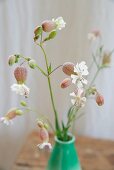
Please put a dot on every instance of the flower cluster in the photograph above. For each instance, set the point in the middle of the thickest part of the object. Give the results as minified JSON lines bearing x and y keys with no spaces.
{"x":44,"y":136}
{"x":78,"y":75}
{"x":12,"y":113}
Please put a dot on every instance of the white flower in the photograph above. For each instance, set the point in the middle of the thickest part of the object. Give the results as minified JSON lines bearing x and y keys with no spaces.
{"x":92,"y":36}
{"x":78,"y":98}
{"x":6,"y":121}
{"x":59,"y":23}
{"x":45,"y":145}
{"x":20,"y":89}
{"x":81,"y":70}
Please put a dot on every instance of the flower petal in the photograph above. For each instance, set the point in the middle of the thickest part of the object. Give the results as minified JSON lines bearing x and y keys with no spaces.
{"x":79,"y":84}
{"x":73,"y":101}
{"x":74,"y":78}
{"x":20,"y":89}
{"x":45,"y":145}
{"x":73,"y":94}
{"x":84,"y":81}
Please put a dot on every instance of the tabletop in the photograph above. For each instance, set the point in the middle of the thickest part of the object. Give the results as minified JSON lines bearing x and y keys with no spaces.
{"x":94,"y":154}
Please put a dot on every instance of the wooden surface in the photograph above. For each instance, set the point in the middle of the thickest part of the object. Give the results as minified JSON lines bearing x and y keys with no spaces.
{"x":93,"y":154}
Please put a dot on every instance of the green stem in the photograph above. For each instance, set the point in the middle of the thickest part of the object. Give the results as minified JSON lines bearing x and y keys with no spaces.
{"x":44,"y":117}
{"x":50,"y":89}
{"x":94,"y":78}
{"x":40,"y":69}
{"x":55,"y":69}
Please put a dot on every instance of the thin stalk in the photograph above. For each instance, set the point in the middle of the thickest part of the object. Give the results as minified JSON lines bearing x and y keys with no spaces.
{"x":40,"y":69}
{"x":50,"y":90}
{"x":55,"y":69}
{"x":22,"y":63}
{"x":94,"y":78}
{"x":31,"y":110}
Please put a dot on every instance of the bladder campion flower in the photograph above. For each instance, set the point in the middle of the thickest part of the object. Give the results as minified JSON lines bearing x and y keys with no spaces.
{"x":99,"y":99}
{"x":21,"y":89}
{"x":44,"y":136}
{"x":44,"y":33}
{"x":65,"y":83}
{"x":68,"y":68}
{"x":80,"y":70}
{"x":20,"y":74}
{"x":78,"y":98}
{"x":8,"y":118}
{"x":93,"y":35}
{"x":48,"y":26}
{"x":60,"y":23}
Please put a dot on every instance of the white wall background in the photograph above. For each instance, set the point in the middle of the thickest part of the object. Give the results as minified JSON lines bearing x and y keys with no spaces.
{"x":18,"y":19}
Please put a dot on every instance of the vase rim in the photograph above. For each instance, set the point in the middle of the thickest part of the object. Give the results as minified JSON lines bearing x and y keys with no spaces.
{"x":66,"y":142}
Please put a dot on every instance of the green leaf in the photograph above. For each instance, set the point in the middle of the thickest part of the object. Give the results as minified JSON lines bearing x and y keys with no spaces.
{"x":49,"y":69}
{"x":38,"y":31}
{"x":51,"y":36}
{"x":63,"y":126}
{"x":101,"y":48}
{"x":70,"y":111}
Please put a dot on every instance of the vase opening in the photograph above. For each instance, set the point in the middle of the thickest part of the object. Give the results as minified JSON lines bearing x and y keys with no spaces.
{"x":71,"y":139}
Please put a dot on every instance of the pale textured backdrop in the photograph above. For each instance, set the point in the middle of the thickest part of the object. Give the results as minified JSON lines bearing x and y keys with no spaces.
{"x":17,"y":21}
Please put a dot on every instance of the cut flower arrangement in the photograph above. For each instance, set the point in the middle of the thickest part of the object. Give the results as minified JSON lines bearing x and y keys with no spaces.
{"x":77,"y":75}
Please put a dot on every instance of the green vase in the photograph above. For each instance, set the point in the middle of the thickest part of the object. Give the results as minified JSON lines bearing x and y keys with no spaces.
{"x":64,"y":156}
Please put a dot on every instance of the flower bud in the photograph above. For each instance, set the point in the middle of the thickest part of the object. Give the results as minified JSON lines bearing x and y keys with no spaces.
{"x":11,"y":60}
{"x":92,"y":90}
{"x":68,"y":68}
{"x":23,"y":103}
{"x":46,"y":125}
{"x":11,"y":114}
{"x":99,"y":99}
{"x":44,"y":135}
{"x":93,"y":35}
{"x":65,"y":83}
{"x":48,"y":26}
{"x":19,"y":112}
{"x":97,"y":33}
{"x":106,"y":58}
{"x":40,"y":124}
{"x":32,"y":64}
{"x":20,"y":74}
{"x":38,"y":31}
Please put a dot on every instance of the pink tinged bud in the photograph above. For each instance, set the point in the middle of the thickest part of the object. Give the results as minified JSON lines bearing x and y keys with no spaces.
{"x":68,"y":68}
{"x":44,"y":135}
{"x":20,"y":74}
{"x":99,"y":99}
{"x":11,"y":114}
{"x":37,"y":29}
{"x":97,"y":33}
{"x":65,"y":83}
{"x":48,"y":26}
